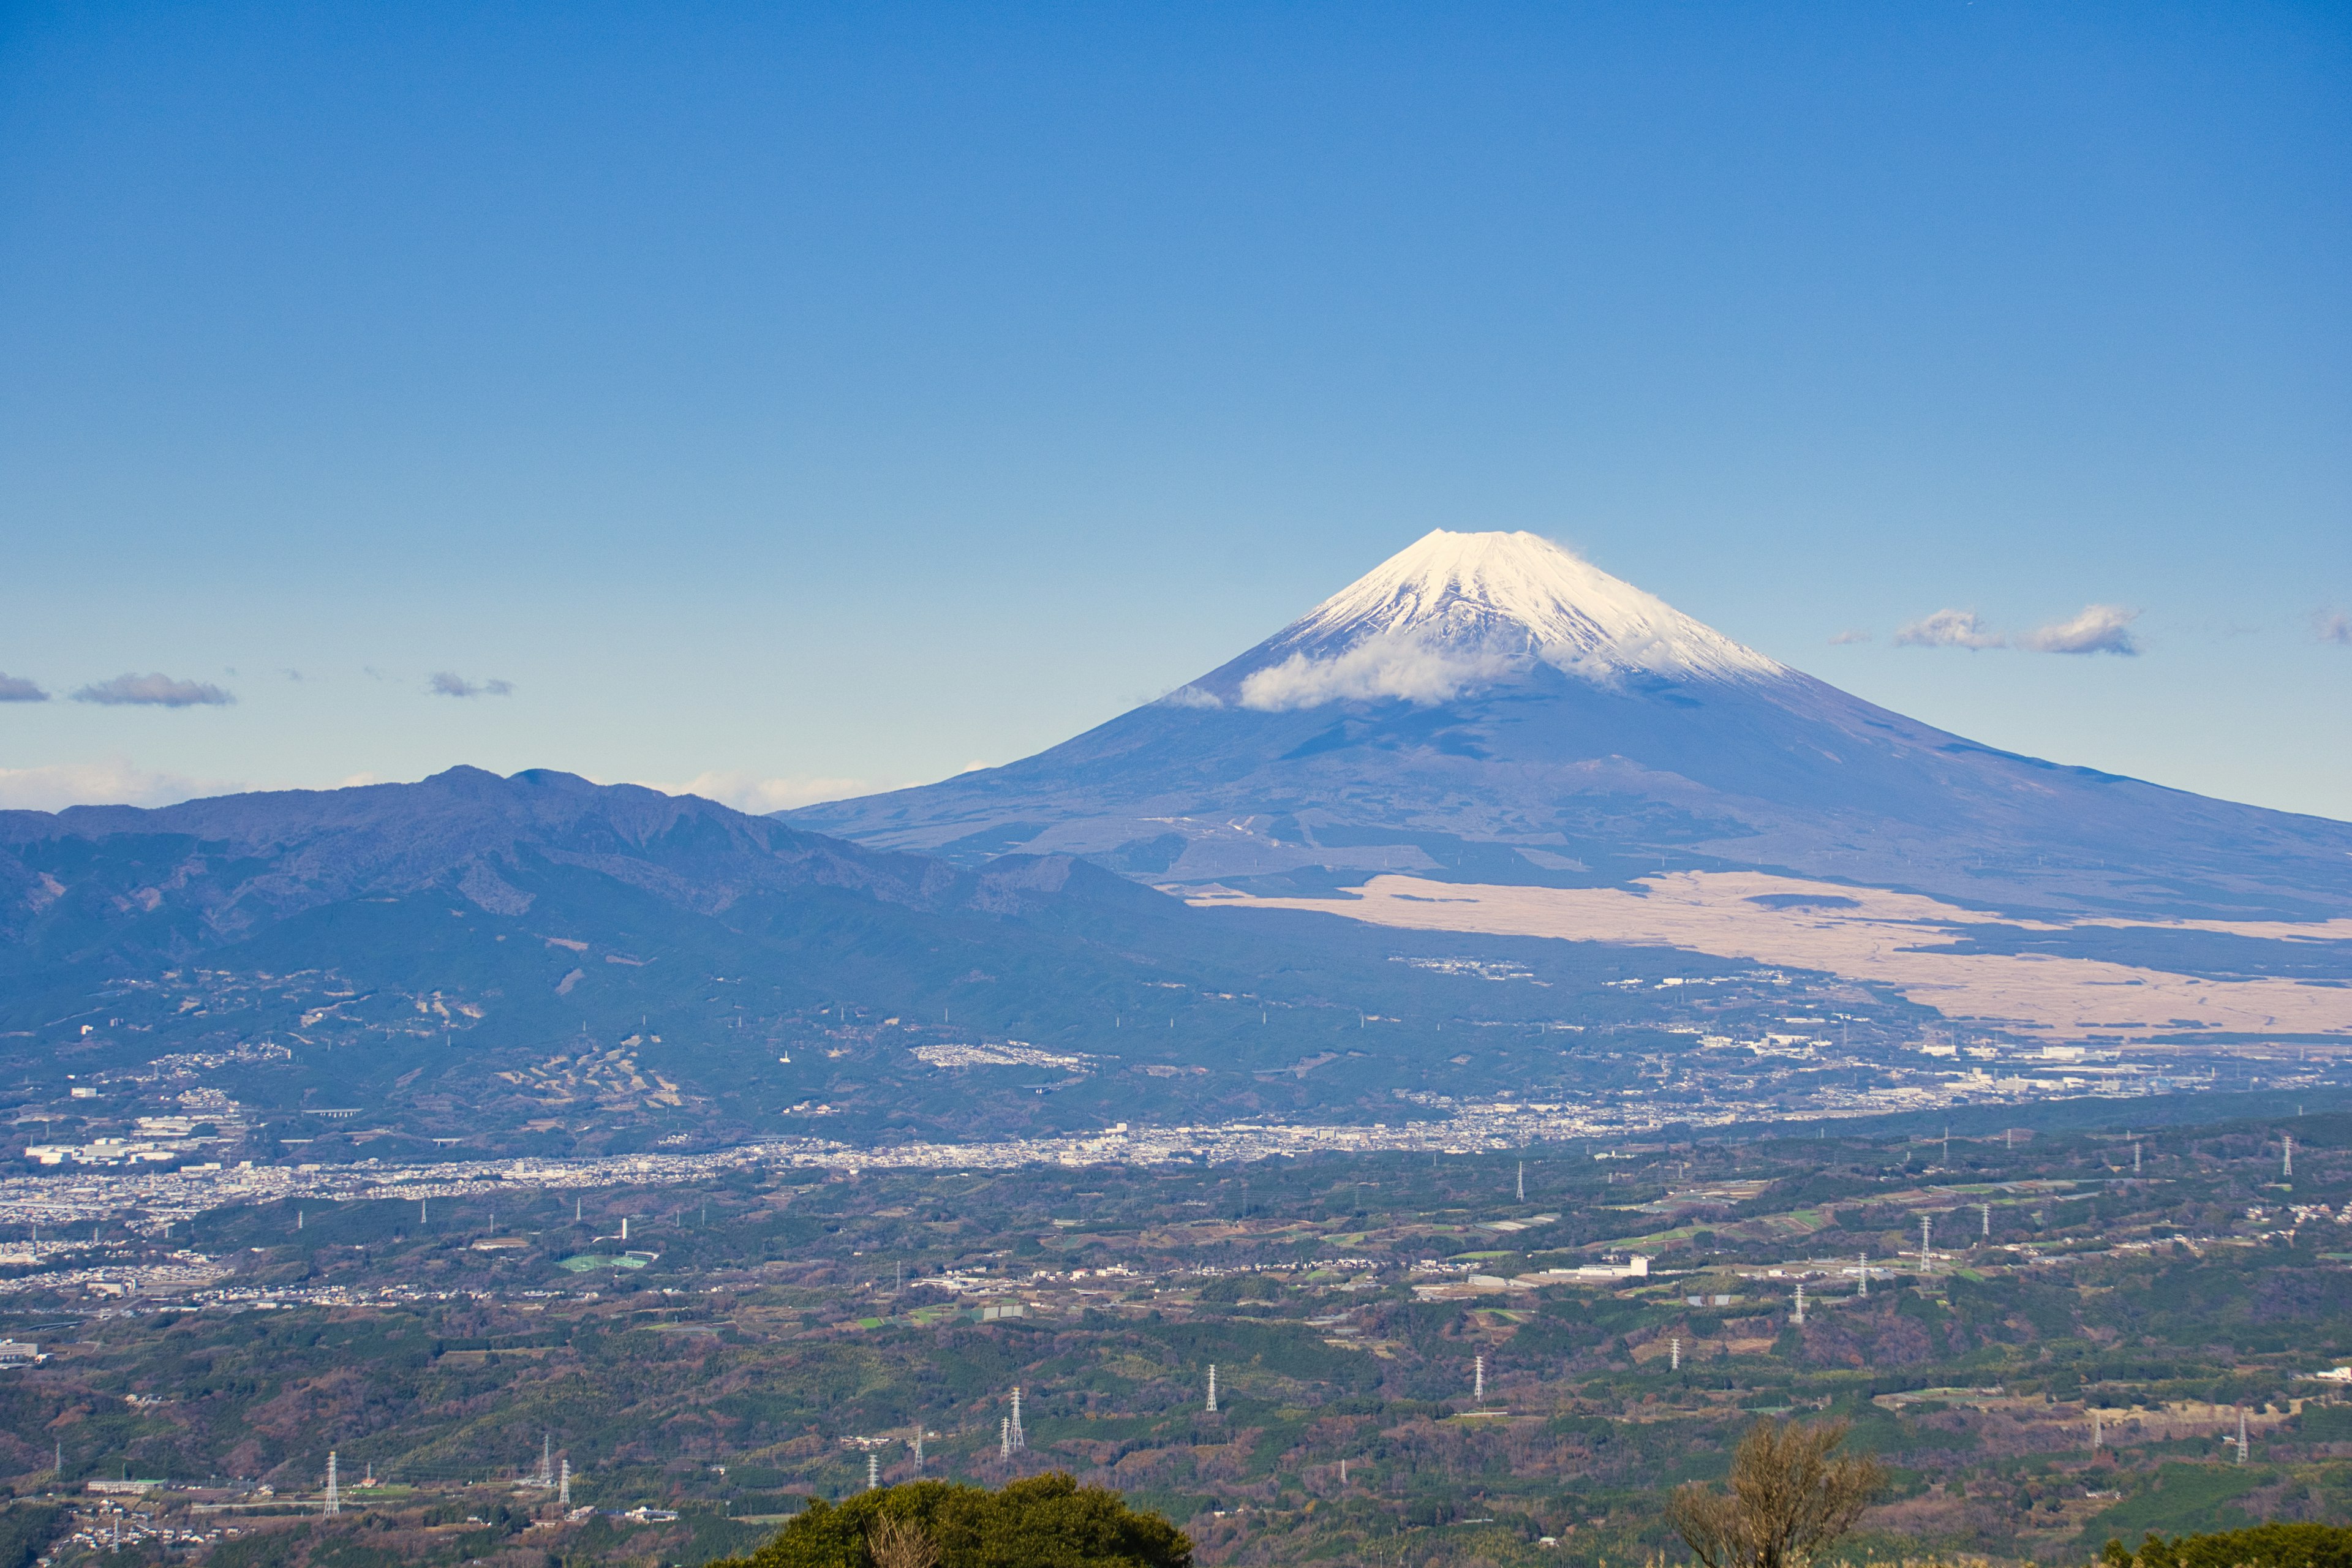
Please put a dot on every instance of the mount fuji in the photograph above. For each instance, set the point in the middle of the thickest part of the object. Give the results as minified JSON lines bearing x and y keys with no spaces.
{"x":1489,"y":707}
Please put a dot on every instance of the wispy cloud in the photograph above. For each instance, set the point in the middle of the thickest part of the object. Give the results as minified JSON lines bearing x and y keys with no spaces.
{"x":1843,"y":638}
{"x":2099,"y":629}
{"x":747,"y":791}
{"x":113,"y":783}
{"x":17,"y":689}
{"x":448,"y":683}
{"x":1949,"y":628}
{"x":2332,"y":625}
{"x":1191,"y":697}
{"x":154,"y":691}
{"x":1377,"y":666}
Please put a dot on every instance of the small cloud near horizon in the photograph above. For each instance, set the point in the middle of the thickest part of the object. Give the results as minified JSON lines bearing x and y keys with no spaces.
{"x":748,"y":792}
{"x":1843,"y":638}
{"x":2333,"y":626}
{"x":1949,"y":628}
{"x":112,"y":782}
{"x":17,"y":689}
{"x":448,"y":683}
{"x":2099,"y":629}
{"x":154,"y":691}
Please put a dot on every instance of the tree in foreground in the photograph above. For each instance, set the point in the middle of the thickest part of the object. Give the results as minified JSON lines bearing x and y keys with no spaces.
{"x":1044,"y":1522}
{"x":1789,"y":1498}
{"x":2272,"y":1545}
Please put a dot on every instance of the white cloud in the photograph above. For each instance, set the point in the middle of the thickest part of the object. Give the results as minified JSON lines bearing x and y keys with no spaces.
{"x":17,"y":689}
{"x":448,"y":683}
{"x":154,"y":691}
{"x":112,"y":782}
{"x":1949,"y":628}
{"x":1191,"y":697}
{"x":2332,"y":625}
{"x":748,"y":792}
{"x":1377,"y":666}
{"x":2099,"y":629}
{"x":1843,"y":638}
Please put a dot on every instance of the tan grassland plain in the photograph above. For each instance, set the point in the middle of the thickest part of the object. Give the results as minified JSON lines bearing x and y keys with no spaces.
{"x":1869,"y":934}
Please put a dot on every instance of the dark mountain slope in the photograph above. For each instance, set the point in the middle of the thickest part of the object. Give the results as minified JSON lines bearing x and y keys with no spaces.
{"x":221,"y":868}
{"x":549,"y":854}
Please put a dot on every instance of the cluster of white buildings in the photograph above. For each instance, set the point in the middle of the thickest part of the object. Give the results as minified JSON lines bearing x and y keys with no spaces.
{"x":1011,"y":1054}
{"x":112,"y":1179}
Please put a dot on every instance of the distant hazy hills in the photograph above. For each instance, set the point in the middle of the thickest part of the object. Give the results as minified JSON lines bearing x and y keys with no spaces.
{"x":549,"y":963}
{"x":182,"y":878}
{"x":550,"y":856}
{"x":1488,"y":708}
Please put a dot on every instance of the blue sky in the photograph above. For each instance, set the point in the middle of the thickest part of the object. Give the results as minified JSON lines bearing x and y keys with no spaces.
{"x":801,"y":399}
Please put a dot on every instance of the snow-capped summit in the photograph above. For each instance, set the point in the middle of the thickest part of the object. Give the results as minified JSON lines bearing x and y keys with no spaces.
{"x":1488,"y":706}
{"x":1454,"y":611}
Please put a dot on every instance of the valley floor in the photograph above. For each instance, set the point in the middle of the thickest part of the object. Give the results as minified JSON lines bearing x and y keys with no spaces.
{"x":1418,"y":1357}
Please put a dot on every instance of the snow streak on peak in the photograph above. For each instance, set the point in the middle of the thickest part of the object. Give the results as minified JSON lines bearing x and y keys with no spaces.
{"x":1490,"y":588}
{"x":1456,"y":610}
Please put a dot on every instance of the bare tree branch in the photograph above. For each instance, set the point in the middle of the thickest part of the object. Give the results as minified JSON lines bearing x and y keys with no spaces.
{"x":900,"y":1544}
{"x":1789,"y":1498}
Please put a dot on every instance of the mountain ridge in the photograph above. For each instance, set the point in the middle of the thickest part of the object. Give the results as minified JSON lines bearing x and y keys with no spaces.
{"x":321,"y":846}
{"x":172,"y":882}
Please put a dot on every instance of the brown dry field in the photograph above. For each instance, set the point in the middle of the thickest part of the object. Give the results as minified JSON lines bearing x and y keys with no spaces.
{"x":1887,"y":938}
